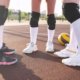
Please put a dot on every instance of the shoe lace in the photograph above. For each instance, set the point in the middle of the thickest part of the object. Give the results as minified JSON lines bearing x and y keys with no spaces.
{"x":50,"y":44}
{"x":30,"y":44}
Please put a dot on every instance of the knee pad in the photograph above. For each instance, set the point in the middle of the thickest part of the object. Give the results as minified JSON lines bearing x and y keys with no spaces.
{"x":71,"y":11}
{"x":51,"y":21}
{"x":3,"y":14}
{"x":34,"y":19}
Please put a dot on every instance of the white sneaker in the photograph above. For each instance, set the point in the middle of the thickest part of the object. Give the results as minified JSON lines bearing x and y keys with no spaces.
{"x":64,"y":53}
{"x":49,"y":47}
{"x":72,"y":61}
{"x":31,"y":47}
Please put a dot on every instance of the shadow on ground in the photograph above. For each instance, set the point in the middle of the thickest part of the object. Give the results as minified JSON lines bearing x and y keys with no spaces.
{"x":17,"y":72}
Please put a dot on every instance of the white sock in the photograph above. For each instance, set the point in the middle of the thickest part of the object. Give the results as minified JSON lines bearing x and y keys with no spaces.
{"x":73,"y":42}
{"x":50,"y":35}
{"x":76,"y":27}
{"x":33,"y":34}
{"x":1,"y":36}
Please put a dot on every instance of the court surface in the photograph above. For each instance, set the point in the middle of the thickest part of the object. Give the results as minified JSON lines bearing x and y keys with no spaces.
{"x":39,"y":65}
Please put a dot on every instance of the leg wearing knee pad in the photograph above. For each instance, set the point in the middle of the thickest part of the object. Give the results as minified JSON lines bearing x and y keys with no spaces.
{"x":3,"y":14}
{"x":71,"y":11}
{"x":34,"y":19}
{"x":2,"y":11}
{"x":51,"y":21}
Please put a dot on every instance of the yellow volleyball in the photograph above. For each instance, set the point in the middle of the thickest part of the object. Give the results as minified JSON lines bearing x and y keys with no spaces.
{"x":63,"y":38}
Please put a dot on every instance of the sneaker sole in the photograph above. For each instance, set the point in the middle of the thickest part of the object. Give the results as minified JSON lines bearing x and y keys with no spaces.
{"x":9,"y":53}
{"x":30,"y":52}
{"x":8,"y":63}
{"x":74,"y":65}
{"x":56,"y":54}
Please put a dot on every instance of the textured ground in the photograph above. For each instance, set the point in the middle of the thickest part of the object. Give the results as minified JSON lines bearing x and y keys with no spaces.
{"x":39,"y":65}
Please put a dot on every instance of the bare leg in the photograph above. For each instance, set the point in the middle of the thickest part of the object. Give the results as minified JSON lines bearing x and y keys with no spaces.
{"x":51,"y":24}
{"x":4,"y":3}
{"x":50,"y":6}
{"x":33,"y":27}
{"x":36,"y":5}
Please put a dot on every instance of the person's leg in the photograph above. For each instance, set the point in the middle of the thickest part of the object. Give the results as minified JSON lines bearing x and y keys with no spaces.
{"x":5,"y":3}
{"x":4,"y":59}
{"x":71,"y":12}
{"x":72,"y":44}
{"x":2,"y":10}
{"x":33,"y":27}
{"x":71,"y":48}
{"x":51,"y":24}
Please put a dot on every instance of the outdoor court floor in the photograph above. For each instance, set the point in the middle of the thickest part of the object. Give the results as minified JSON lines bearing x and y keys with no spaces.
{"x":39,"y":65}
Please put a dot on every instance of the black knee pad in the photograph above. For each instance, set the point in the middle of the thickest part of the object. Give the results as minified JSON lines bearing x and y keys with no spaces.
{"x":71,"y":11}
{"x":2,"y":11}
{"x":51,"y":21}
{"x":34,"y":19}
{"x":3,"y":14}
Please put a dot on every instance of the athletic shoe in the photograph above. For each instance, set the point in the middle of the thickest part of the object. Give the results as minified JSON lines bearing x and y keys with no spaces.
{"x":65,"y":53}
{"x":49,"y":47}
{"x":72,"y":61}
{"x":7,"y":50}
{"x":6,"y":60}
{"x":31,"y":47}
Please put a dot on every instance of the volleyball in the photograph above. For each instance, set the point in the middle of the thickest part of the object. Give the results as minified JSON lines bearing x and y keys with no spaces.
{"x":63,"y":38}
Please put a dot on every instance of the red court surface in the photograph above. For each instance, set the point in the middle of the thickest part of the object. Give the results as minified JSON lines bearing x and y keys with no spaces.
{"x":39,"y":65}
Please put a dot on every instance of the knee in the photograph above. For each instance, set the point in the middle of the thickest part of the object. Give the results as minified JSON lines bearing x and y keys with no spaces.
{"x":3,"y":14}
{"x":34,"y":19}
{"x":51,"y":21}
{"x":71,"y":11}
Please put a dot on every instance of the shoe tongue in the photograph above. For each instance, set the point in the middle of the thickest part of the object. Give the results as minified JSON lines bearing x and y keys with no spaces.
{"x":3,"y":48}
{"x":49,"y":43}
{"x":32,"y":44}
